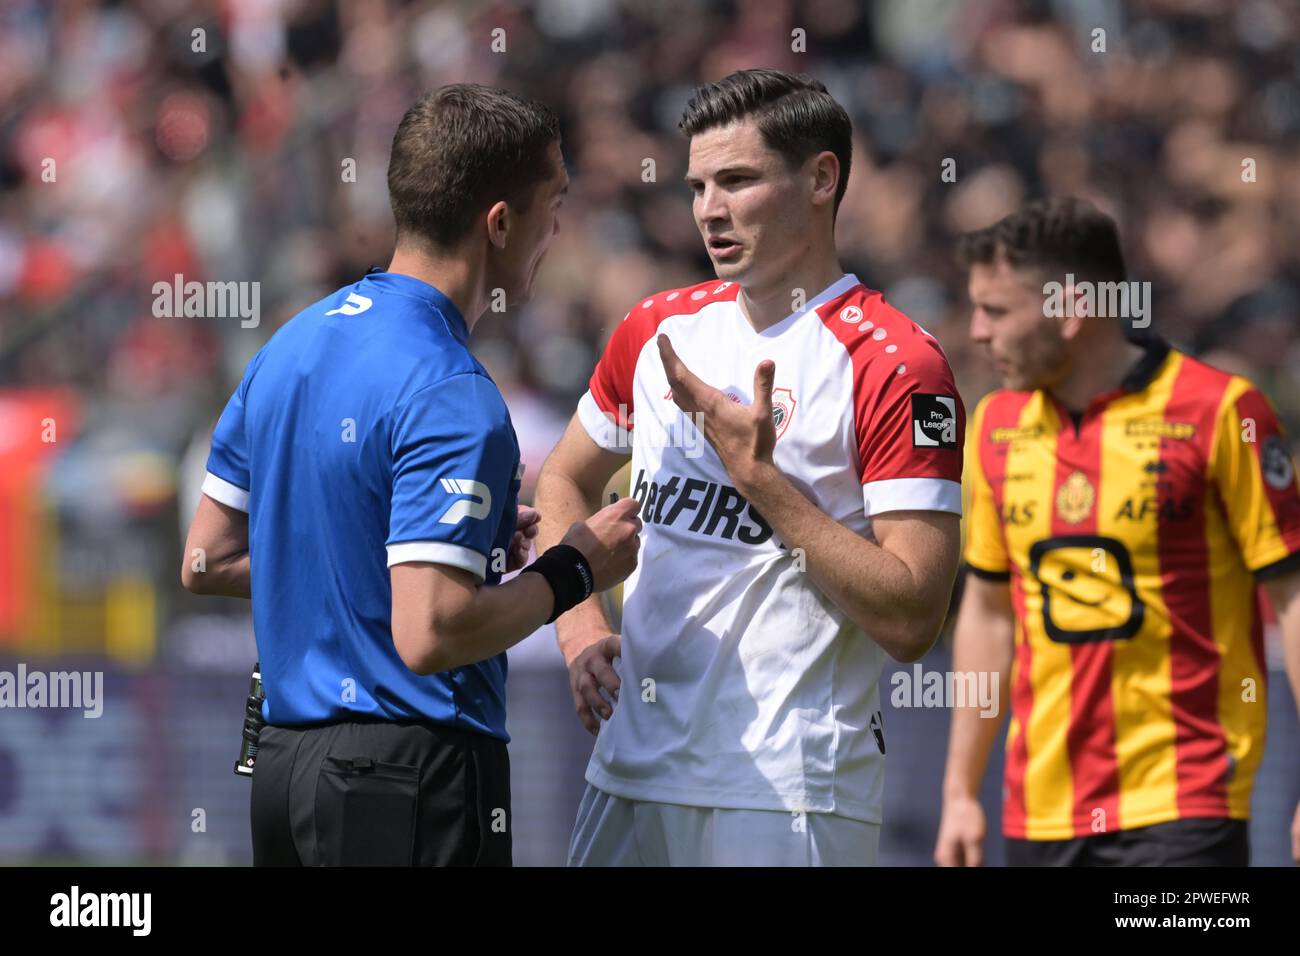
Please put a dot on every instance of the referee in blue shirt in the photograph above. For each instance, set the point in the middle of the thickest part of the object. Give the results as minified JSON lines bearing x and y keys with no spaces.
{"x":362,"y":488}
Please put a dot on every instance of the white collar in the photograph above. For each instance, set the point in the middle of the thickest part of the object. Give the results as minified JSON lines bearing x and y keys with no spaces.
{"x":833,"y":291}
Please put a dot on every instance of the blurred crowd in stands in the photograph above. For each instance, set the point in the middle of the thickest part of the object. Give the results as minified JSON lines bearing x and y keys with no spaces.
{"x":247,"y":141}
{"x":147,"y":138}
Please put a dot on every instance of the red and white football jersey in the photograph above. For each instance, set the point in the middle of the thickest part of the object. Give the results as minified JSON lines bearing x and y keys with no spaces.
{"x":743,"y":685}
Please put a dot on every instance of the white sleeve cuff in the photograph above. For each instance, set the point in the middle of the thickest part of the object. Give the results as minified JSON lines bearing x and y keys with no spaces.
{"x":439,"y":552}
{"x":603,"y":431}
{"x":218,"y":489}
{"x":912,"y":494}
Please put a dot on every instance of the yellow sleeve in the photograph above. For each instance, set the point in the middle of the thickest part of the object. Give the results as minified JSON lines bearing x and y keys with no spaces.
{"x":985,"y":550}
{"x":1256,"y":477}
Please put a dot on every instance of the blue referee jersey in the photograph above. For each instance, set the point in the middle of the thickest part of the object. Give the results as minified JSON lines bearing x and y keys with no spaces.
{"x":364,"y":434}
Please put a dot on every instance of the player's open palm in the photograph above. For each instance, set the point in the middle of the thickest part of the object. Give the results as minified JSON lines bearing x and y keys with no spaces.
{"x":742,"y":435}
{"x":594,"y":682}
{"x":961,"y":833}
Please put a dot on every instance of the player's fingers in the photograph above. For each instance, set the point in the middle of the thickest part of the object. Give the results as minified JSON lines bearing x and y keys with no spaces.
{"x":972,"y":852}
{"x":605,"y":675}
{"x":668,"y":356}
{"x":582,"y":707}
{"x":585,"y":716}
{"x":946,"y":852}
{"x":527,"y":518}
{"x":764,"y":376}
{"x":590,"y":691}
{"x":942,"y":857}
{"x":689,"y":392}
{"x":685,"y":384}
{"x":612,"y":648}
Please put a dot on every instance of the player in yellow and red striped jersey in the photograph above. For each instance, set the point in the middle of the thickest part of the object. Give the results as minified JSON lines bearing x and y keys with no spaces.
{"x":1125,"y":501}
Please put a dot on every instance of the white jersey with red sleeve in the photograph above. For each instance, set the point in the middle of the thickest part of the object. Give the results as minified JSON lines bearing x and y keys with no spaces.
{"x":743,"y":685}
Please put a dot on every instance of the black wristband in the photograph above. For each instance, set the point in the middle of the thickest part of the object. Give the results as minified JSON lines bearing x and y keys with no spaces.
{"x":567,"y":572}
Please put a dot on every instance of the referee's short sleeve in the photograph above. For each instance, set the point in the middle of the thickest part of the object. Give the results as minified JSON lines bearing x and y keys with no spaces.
{"x":455,"y":458}
{"x":227,"y":479}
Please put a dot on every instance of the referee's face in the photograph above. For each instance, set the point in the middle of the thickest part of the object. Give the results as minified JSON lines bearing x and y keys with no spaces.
{"x":1008,"y":319}
{"x":515,"y":266}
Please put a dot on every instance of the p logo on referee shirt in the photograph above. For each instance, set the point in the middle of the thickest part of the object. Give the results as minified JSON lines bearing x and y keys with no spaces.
{"x":355,"y":305}
{"x":476,"y":504}
{"x":934,"y":421}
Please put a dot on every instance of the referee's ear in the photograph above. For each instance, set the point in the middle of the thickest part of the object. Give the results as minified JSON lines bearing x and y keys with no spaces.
{"x":498,"y":224}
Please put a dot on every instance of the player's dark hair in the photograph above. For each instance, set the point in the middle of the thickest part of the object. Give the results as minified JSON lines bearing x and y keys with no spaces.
{"x":1057,"y":236}
{"x":460,"y":149}
{"x":795,"y":115}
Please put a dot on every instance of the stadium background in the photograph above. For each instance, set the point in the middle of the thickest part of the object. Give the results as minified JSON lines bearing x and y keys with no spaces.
{"x":228,"y":164}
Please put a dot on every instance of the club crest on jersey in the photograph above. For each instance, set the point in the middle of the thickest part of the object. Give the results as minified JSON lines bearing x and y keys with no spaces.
{"x":1075,"y":498}
{"x":1275,"y":463}
{"x":783,"y":403}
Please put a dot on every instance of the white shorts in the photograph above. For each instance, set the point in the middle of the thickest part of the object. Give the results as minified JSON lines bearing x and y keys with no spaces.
{"x":613,"y":831}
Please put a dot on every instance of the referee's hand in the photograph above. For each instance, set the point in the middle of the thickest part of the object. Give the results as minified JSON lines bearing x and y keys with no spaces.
{"x":521,"y":545}
{"x":609,"y":540}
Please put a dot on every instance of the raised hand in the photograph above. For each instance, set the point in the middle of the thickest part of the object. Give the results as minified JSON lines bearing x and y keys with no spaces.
{"x":743,"y":436}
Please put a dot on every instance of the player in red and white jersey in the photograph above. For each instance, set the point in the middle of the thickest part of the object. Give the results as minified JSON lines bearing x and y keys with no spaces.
{"x":796,"y":449}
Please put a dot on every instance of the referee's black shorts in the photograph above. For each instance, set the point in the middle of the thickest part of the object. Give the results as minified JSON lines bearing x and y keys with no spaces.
{"x":380,"y":793}
{"x":1191,"y":842}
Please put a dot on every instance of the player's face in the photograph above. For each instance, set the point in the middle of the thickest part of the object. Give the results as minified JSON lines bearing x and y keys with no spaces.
{"x":749,"y":206}
{"x":537,"y":226}
{"x":1026,"y":347}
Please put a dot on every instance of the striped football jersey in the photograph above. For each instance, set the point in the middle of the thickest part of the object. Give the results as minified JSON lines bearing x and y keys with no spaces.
{"x":1132,"y":535}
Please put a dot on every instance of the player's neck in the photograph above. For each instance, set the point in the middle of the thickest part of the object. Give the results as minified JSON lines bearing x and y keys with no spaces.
{"x":1098,"y":366}
{"x":768,"y":304}
{"x":455,"y":277}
